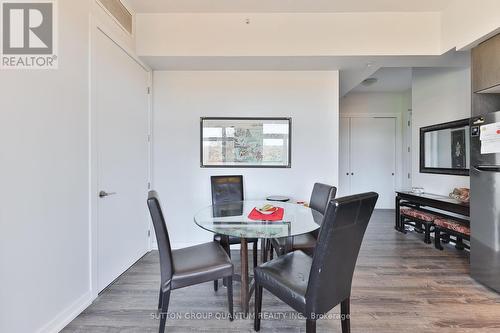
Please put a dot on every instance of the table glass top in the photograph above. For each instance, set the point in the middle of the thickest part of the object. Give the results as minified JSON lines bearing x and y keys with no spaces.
{"x":231,"y":219}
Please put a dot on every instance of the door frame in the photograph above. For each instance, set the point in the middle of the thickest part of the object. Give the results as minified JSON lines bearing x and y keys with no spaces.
{"x":340,"y":190}
{"x":399,"y":167}
{"x":407,"y":149}
{"x":96,"y":27}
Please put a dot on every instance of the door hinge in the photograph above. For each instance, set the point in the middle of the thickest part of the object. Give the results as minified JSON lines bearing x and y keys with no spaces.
{"x":409,"y":123}
{"x":149,"y":233}
{"x":149,"y":137}
{"x":148,"y":90}
{"x":408,"y":149}
{"x":149,"y":185}
{"x":409,"y":175}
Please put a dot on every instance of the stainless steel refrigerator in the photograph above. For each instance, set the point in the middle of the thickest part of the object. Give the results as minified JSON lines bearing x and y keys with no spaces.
{"x":485,"y":199}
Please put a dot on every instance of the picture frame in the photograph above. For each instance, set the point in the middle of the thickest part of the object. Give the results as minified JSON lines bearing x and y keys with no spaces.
{"x":245,"y":142}
{"x":458,"y":154}
{"x":463,"y":170}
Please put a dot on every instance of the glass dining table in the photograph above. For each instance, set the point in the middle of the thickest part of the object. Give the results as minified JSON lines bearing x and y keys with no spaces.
{"x":231,"y":219}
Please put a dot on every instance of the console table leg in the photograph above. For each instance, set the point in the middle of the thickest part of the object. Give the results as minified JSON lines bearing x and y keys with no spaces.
{"x":398,"y":215}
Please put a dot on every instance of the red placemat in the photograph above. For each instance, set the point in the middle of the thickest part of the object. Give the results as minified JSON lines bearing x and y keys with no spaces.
{"x":276,"y":216}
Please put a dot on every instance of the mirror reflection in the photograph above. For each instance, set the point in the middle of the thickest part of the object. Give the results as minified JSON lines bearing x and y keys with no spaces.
{"x":228,"y":209}
{"x":447,"y":148}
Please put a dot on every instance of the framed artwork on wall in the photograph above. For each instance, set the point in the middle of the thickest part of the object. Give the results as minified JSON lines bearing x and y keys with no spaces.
{"x":458,"y":149}
{"x":245,"y":142}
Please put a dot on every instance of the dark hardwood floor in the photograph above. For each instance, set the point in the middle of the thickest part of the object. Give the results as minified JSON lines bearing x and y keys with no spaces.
{"x":400,"y":285}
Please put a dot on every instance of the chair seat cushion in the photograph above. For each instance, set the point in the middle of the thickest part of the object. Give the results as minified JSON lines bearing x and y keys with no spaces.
{"x":300,"y":242}
{"x":286,"y":277}
{"x":199,"y":263}
{"x":452,"y":225}
{"x":424,"y":216}
{"x":233,"y":239}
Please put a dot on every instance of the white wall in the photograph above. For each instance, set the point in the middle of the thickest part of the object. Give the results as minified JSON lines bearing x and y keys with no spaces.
{"x":438,"y":95}
{"x":181,"y":98}
{"x":465,"y":23}
{"x":44,"y":157}
{"x":376,"y":102}
{"x":102,"y":17}
{"x":44,"y":237}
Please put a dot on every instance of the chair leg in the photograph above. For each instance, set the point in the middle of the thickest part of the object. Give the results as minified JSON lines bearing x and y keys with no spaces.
{"x":437,"y":239}
{"x":164,"y":310}
{"x":160,"y":299}
{"x":258,"y":307}
{"x":229,"y":282}
{"x":224,"y":242}
{"x":254,"y":253}
{"x":310,"y":326}
{"x":345,"y":315}
{"x":228,"y":249}
{"x":263,"y":250}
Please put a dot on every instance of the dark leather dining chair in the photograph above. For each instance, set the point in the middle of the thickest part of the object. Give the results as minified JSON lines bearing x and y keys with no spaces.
{"x":314,"y":286}
{"x":188,"y":266}
{"x":320,"y":197}
{"x":229,"y":189}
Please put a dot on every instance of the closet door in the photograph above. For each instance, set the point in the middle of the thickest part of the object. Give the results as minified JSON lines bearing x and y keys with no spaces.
{"x":373,"y":158}
{"x":121,"y":107}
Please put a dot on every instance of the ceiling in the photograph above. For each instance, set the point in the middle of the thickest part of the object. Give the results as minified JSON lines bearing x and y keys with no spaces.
{"x":353,"y":69}
{"x":264,"y":6}
{"x":344,"y":63}
{"x":389,"y":80}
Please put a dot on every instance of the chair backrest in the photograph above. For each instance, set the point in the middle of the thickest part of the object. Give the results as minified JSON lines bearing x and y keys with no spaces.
{"x":337,"y":250}
{"x":321,"y":195}
{"x":166,"y":264}
{"x":226,"y":189}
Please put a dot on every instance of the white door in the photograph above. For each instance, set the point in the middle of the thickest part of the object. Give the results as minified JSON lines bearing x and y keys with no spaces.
{"x":344,"y":152}
{"x":373,"y":158}
{"x":121,"y":108}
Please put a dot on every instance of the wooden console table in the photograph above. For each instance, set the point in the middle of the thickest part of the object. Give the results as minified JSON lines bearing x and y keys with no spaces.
{"x":436,"y":201}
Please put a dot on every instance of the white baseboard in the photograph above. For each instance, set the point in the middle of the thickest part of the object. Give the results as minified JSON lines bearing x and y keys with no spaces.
{"x":67,"y":315}
{"x":181,"y":245}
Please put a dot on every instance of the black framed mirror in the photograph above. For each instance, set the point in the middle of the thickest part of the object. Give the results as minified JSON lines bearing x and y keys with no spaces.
{"x":445,"y":148}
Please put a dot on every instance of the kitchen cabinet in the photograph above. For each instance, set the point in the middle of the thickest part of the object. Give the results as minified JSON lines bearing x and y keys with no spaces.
{"x":486,"y":66}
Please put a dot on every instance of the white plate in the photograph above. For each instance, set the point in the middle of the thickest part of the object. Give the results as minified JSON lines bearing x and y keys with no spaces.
{"x":267,"y":212}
